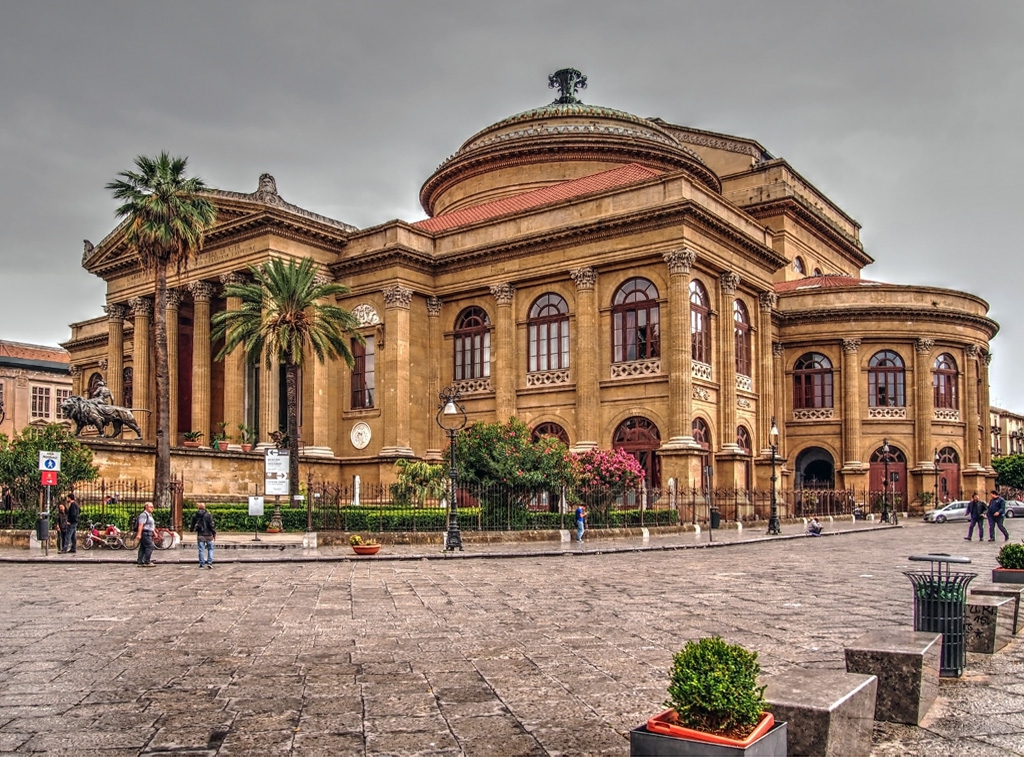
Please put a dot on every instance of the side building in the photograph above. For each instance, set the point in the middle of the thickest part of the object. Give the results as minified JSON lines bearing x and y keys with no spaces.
{"x":613,"y":280}
{"x":34,"y":380}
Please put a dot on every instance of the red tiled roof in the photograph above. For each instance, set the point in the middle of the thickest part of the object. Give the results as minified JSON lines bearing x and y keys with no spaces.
{"x":830,"y":281}
{"x":33,"y":352}
{"x":598,"y":182}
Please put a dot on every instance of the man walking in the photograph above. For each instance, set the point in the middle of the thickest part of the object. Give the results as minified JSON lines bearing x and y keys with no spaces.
{"x":996,"y":513}
{"x":976,"y":512}
{"x":581,"y":521}
{"x":202,"y":524}
{"x":146,"y":530}
{"x":70,"y":541}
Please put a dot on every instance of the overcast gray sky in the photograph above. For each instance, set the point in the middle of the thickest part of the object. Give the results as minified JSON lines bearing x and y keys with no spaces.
{"x":907,"y":114}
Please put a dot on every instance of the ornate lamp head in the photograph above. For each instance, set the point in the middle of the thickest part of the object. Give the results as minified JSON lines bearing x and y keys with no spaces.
{"x":567,"y":81}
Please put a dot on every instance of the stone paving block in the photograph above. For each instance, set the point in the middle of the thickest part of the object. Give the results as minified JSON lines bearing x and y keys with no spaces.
{"x":988,"y":623}
{"x":907,"y":666}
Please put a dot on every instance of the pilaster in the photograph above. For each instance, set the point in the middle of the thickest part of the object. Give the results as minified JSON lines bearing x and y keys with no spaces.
{"x":234,"y":368}
{"x":985,"y":358}
{"x":679,"y":358}
{"x":587,"y":356}
{"x":434,"y":337}
{"x":767,"y":302}
{"x":503,"y":352}
{"x":924,"y":401}
{"x":851,"y":406}
{"x":728,"y":282}
{"x":396,"y":405}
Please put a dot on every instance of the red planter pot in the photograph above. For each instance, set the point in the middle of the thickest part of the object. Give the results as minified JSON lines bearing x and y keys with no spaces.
{"x":662,"y":723}
{"x":366,"y":549}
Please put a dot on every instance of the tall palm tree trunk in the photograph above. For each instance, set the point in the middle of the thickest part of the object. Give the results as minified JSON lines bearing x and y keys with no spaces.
{"x":162,"y":468}
{"x":292,"y":382}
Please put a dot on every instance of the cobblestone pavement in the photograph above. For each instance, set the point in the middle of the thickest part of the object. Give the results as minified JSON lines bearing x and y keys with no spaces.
{"x":543,"y":649}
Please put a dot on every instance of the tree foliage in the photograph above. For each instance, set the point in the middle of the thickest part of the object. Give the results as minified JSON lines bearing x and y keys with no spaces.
{"x":1009,"y":470}
{"x":490,"y":454}
{"x":19,"y":462}
{"x":419,"y":481}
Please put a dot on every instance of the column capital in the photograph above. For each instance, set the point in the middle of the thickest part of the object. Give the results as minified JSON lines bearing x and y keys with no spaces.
{"x":851,"y":345}
{"x":142,"y":307}
{"x":730,"y":282}
{"x":433,"y":306}
{"x":174,"y":297}
{"x":75,"y":370}
{"x":503,"y":293}
{"x":115,"y":312}
{"x":233,"y":278}
{"x":323,"y":279}
{"x":924,"y":345}
{"x":585,"y":278}
{"x":679,"y":261}
{"x":397,"y":296}
{"x":777,"y":349}
{"x":973,"y":351}
{"x":986,"y":358}
{"x":768,"y":301}
{"x":201,"y":291}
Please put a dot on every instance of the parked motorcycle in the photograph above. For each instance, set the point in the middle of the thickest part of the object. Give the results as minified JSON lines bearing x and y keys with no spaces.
{"x":103,"y":536}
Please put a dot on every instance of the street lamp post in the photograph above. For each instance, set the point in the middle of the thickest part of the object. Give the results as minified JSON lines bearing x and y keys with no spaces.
{"x":774,"y":527}
{"x":938,"y":459}
{"x":885,"y":483}
{"x":451,"y":416}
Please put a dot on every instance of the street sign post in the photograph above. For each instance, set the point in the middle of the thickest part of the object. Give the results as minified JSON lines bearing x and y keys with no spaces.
{"x":275,"y":471}
{"x":49,"y":465}
{"x":49,"y":461}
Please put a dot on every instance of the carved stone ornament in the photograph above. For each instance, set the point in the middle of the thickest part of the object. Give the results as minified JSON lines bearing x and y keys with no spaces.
{"x":75,"y":370}
{"x":366,"y":315}
{"x":768,"y":300}
{"x":397,"y":296}
{"x":585,"y":278}
{"x":924,"y":345}
{"x":503,"y":293}
{"x":778,"y":350}
{"x":986,"y":358}
{"x":567,"y":81}
{"x":142,"y":307}
{"x":700,"y":393}
{"x":679,"y":261}
{"x":433,"y":306}
{"x":201,"y":291}
{"x":233,"y":278}
{"x":102,"y":363}
{"x":174,"y":297}
{"x":267,"y":190}
{"x":851,"y":345}
{"x":360,"y":435}
{"x":115,"y":312}
{"x":730,"y":282}
{"x":973,"y":350}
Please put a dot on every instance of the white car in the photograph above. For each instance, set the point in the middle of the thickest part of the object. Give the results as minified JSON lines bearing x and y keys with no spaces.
{"x":952,"y":511}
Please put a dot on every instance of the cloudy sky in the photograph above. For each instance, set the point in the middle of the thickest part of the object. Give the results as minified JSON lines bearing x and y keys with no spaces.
{"x":907,"y":114}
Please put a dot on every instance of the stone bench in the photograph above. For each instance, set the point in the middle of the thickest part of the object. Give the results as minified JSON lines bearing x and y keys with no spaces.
{"x":1014,"y":592}
{"x":828,"y":712}
{"x":907,"y":666}
{"x":988,"y":623}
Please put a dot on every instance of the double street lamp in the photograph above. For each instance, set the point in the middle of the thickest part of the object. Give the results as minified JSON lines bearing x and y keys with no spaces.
{"x":937,"y":460}
{"x":885,"y":483}
{"x":774,"y":527}
{"x":451,"y":416}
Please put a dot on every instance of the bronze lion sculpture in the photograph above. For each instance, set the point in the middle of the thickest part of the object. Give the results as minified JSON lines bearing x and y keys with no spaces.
{"x":99,"y":415}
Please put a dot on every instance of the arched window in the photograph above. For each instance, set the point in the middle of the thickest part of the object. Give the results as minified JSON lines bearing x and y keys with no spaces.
{"x":700,"y":323}
{"x":640,"y":438}
{"x":472,"y":345}
{"x":94,"y":381}
{"x":743,"y":439}
{"x":746,"y":469}
{"x":812,"y":382}
{"x":817,"y":272}
{"x":702,"y":435}
{"x":886,"y":384}
{"x":741,"y":325}
{"x":548,"y":334}
{"x":798,"y":265}
{"x":636,"y":327}
{"x":944,"y":382}
{"x":549,"y":429}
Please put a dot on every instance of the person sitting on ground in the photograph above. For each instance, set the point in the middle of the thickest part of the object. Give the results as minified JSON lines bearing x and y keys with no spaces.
{"x":813,"y":527}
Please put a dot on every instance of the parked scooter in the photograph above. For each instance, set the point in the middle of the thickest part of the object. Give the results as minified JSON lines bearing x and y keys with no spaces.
{"x":107,"y":536}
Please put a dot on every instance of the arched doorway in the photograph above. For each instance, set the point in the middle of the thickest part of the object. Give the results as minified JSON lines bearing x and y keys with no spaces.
{"x":895,"y":462}
{"x":815,"y":469}
{"x":640,"y":438}
{"x":702,"y":435}
{"x":948,"y":478}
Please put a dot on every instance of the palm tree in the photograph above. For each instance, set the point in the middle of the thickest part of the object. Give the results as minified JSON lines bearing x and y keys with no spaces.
{"x":167,"y":218}
{"x":284,"y":318}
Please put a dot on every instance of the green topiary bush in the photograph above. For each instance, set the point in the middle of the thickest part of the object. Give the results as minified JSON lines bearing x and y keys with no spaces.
{"x":713,"y":687}
{"x":1011,"y":556}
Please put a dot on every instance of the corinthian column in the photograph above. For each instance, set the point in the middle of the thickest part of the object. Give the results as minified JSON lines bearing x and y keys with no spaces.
{"x":924,"y":402}
{"x":318,"y":439}
{"x":115,"y":351}
{"x":586,"y":359}
{"x":434,"y":337}
{"x":202,"y":293}
{"x":142,"y":393}
{"x":984,"y":409}
{"x":503,"y":353}
{"x":234,"y":367}
{"x":729,"y":282}
{"x":973,"y":420}
{"x":173,"y":361}
{"x":851,"y":405}
{"x":680,"y":357}
{"x":396,"y":406}
{"x":765,"y":386}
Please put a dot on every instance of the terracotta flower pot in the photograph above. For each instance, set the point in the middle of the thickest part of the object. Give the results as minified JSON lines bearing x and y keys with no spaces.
{"x":246,"y":447}
{"x":366,"y":549}
{"x":190,"y":444}
{"x":664,"y":723}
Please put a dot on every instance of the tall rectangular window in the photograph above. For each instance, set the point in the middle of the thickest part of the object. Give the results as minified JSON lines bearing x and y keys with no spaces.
{"x":40,"y":402}
{"x":62,"y":394}
{"x":363,"y":374}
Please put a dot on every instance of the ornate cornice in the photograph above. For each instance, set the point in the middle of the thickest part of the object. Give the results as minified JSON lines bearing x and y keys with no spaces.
{"x":893,"y":313}
{"x":851,"y":246}
{"x":584,"y":278}
{"x":397,"y":296}
{"x":503,"y":293}
{"x":679,"y":261}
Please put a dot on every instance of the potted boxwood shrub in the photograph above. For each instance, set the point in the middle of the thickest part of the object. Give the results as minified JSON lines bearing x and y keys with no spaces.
{"x":363,"y":546}
{"x":715,"y":706}
{"x":191,"y":438}
{"x":1011,"y":565}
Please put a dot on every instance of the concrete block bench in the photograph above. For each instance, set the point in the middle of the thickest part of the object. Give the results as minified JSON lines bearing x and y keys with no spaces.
{"x":907,"y":666}
{"x":829,"y":712}
{"x":1014,"y":592}
{"x":988,"y":623}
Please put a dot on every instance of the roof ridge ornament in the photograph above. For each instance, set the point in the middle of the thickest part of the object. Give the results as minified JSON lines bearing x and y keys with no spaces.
{"x":568,"y":81}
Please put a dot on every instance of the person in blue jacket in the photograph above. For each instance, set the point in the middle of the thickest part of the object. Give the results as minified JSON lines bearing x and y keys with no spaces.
{"x":996,"y":513}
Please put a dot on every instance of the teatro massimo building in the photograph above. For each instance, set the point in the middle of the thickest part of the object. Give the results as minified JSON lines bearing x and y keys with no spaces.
{"x":614,"y":280}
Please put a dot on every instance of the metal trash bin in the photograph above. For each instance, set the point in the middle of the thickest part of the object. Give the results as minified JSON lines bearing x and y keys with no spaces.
{"x":716,"y":517}
{"x":43,"y":527}
{"x":940,"y":606}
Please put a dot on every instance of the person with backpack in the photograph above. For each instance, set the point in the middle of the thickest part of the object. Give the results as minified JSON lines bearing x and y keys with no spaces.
{"x":145,"y":530}
{"x":202,"y":524}
{"x":996,"y":513}
{"x":70,"y":541}
{"x":581,"y":521}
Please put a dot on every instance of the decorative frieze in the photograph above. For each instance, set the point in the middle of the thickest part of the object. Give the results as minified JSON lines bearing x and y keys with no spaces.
{"x":744,"y":382}
{"x":729,"y":281}
{"x":473,"y":386}
{"x":585,"y":278}
{"x":679,"y":261}
{"x":636,"y":368}
{"x":503,"y":293}
{"x":201,"y":291}
{"x":434,"y":306}
{"x":743,"y":403}
{"x":946,"y":414}
{"x":700,"y":393}
{"x":397,"y":296}
{"x":924,"y":345}
{"x":700,"y":370}
{"x":366,"y":315}
{"x":814,"y":414}
{"x":890,"y":413}
{"x":547,"y":378}
{"x":851,"y":346}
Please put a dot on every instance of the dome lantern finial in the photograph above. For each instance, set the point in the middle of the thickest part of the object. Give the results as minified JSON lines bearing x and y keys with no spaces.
{"x":568,"y":81}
